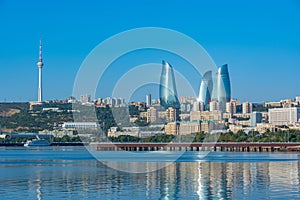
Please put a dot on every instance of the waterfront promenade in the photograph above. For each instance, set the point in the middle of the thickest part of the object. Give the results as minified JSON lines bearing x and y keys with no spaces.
{"x":220,"y":146}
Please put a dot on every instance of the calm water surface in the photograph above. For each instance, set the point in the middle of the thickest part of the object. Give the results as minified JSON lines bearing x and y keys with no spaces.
{"x":72,"y":173}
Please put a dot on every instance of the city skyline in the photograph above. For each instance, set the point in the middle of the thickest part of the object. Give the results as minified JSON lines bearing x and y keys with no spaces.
{"x":260,"y":43}
{"x":149,"y":99}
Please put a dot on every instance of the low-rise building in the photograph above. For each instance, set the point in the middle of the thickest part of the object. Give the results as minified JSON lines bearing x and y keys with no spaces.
{"x":131,"y":131}
{"x":57,"y":133}
{"x":244,"y":123}
{"x":172,"y":128}
{"x":186,"y":128}
{"x":235,"y":128}
{"x":132,"y":119}
{"x":272,"y":104}
{"x":206,"y":115}
{"x":263,"y":127}
{"x":54,"y":109}
{"x":80,"y":125}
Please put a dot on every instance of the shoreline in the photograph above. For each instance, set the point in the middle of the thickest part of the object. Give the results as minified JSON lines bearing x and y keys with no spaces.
{"x":52,"y":144}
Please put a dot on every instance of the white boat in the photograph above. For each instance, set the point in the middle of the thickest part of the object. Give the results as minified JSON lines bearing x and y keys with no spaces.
{"x":37,"y":142}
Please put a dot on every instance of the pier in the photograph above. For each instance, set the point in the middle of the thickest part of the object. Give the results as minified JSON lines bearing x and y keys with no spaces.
{"x":220,"y":146}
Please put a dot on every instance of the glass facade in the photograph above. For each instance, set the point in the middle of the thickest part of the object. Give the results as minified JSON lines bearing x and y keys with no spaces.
{"x":255,"y":117}
{"x":223,"y":86}
{"x":216,"y":87}
{"x":206,"y":88}
{"x":223,"y":81}
{"x":167,"y":89}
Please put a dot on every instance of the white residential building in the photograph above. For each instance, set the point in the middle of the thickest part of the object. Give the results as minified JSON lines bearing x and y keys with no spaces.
{"x":284,"y":116}
{"x":79,"y":125}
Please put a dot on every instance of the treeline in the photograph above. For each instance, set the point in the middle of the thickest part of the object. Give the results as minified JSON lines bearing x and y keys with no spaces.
{"x":284,"y":136}
{"x":128,"y":138}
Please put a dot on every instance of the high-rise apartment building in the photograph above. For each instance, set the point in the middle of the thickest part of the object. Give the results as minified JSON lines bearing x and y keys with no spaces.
{"x":231,"y":107}
{"x":247,"y":107}
{"x":151,"y":115}
{"x":214,"y":105}
{"x":171,"y":115}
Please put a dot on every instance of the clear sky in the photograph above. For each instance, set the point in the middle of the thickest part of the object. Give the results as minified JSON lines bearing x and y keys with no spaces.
{"x":260,"y":41}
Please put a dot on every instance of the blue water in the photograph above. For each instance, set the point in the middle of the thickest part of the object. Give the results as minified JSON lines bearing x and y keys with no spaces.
{"x":73,"y":173}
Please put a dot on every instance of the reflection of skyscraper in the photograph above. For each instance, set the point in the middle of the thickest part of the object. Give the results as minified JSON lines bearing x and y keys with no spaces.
{"x":206,"y":89}
{"x":167,"y":89}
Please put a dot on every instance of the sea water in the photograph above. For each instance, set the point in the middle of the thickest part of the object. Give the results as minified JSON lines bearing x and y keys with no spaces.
{"x":74,"y":173}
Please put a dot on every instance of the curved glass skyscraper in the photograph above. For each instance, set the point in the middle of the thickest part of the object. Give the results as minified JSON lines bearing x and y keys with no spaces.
{"x":167,"y":89}
{"x":206,"y":87}
{"x":215,"y":87}
{"x":223,"y":84}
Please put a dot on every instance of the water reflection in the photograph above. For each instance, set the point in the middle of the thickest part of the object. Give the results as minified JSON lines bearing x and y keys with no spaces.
{"x":91,"y":179}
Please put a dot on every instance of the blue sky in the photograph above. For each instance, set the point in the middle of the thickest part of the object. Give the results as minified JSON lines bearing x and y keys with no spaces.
{"x":258,"y":39}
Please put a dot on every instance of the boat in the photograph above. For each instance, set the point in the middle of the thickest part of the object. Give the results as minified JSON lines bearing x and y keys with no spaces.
{"x":37,"y":142}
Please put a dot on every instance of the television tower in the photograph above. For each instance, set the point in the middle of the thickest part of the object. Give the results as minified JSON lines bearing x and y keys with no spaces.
{"x":40,"y":66}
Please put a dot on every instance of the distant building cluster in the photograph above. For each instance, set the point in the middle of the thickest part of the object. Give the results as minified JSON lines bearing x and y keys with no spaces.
{"x":213,"y":110}
{"x":85,"y":99}
{"x":178,"y":120}
{"x":136,"y":131}
{"x":110,"y":101}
